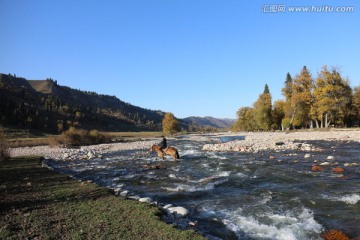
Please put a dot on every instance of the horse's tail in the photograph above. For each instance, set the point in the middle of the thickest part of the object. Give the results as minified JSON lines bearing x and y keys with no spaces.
{"x":177,"y":155}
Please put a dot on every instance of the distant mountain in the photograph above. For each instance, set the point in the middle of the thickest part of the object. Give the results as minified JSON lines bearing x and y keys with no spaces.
{"x":209,"y":122}
{"x":48,"y":106}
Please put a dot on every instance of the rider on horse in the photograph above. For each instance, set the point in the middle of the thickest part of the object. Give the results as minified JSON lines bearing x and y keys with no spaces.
{"x":162,"y":144}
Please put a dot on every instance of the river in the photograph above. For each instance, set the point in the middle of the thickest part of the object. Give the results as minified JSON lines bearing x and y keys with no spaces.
{"x":233,"y":195}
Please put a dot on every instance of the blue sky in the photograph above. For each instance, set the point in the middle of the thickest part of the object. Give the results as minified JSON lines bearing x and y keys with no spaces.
{"x":188,"y":57}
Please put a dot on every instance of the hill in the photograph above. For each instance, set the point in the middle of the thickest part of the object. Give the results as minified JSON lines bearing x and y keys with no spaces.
{"x":209,"y":122}
{"x":50,"y":107}
{"x":45,"y":105}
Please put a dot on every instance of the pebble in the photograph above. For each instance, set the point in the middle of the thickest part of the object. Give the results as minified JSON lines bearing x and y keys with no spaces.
{"x":145,"y":200}
{"x":178,"y":211}
{"x":124,"y":193}
{"x":167,"y":206}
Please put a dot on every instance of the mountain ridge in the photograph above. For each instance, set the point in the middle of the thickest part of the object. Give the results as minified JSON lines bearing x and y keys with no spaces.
{"x":209,"y":121}
{"x":46,"y":105}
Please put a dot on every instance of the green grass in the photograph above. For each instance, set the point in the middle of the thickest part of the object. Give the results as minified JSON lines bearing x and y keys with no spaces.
{"x":37,"y":203}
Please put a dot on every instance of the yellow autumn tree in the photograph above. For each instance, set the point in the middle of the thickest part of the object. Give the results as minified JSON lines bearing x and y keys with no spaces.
{"x":170,"y":124}
{"x":262,"y":110}
{"x":278,"y":114}
{"x":332,"y":98}
{"x":356,"y":104}
{"x":245,"y":121}
{"x":300,"y":99}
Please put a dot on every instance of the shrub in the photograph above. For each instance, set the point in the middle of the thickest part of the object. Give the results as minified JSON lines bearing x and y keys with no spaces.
{"x":79,"y":137}
{"x":4,"y":147}
{"x":97,"y":137}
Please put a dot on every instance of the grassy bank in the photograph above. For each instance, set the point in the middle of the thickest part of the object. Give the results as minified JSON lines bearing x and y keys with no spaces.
{"x":37,"y":203}
{"x":27,"y":139}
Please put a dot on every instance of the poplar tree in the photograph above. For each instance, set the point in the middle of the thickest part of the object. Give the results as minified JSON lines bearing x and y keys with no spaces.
{"x":245,"y":121}
{"x":262,"y":108}
{"x":332,"y":98}
{"x":170,"y":124}
{"x":278,"y":114}
{"x":356,"y":105}
{"x":301,"y":98}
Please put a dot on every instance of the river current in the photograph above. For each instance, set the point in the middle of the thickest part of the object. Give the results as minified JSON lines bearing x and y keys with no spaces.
{"x":233,"y":195}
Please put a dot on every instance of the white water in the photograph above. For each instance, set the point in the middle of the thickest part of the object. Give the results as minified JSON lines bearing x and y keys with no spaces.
{"x":235,"y":195}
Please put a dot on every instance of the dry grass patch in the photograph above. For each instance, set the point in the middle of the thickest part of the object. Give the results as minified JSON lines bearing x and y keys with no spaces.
{"x":4,"y":147}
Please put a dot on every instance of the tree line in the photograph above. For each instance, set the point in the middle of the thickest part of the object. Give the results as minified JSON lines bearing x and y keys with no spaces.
{"x":322,"y":102}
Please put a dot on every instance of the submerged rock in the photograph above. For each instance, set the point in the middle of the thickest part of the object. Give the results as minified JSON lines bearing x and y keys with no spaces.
{"x":334,"y":234}
{"x":317,"y":169}
{"x":338,"y":170}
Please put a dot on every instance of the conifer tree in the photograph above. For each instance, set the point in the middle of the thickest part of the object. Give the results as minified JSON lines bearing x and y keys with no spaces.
{"x":289,"y":111}
{"x":266,"y":90}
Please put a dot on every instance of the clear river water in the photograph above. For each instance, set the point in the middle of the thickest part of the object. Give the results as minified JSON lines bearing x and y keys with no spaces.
{"x":233,"y":195}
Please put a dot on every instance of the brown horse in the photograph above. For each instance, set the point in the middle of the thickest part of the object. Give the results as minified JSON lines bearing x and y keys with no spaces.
{"x":167,"y":151}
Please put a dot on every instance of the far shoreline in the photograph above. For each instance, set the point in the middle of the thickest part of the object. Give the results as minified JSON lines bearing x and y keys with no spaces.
{"x":252,"y":142}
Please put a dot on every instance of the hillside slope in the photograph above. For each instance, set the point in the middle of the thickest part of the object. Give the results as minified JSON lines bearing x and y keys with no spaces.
{"x":48,"y":106}
{"x":45,"y":105}
{"x":209,"y":122}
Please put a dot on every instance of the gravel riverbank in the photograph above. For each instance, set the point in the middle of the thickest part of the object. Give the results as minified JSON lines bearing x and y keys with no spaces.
{"x":84,"y":152}
{"x":265,"y":141}
{"x":247,"y":142}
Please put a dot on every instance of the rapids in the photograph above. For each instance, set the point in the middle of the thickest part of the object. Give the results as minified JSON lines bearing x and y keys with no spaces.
{"x":233,"y":195}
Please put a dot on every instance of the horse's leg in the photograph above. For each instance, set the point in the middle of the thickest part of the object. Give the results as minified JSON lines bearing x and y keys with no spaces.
{"x":161,"y":155}
{"x":173,"y":154}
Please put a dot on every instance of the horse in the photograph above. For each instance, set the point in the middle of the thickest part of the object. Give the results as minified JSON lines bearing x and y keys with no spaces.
{"x":167,"y":151}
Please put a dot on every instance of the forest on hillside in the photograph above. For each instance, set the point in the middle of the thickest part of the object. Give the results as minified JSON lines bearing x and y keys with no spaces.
{"x":47,"y":106}
{"x":322,"y":102}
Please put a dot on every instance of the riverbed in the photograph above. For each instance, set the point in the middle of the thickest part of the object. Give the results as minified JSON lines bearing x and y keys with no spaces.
{"x":271,"y":194}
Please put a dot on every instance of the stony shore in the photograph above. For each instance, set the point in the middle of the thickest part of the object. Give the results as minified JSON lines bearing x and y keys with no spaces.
{"x":250,"y":142}
{"x":265,"y":141}
{"x":84,"y":152}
